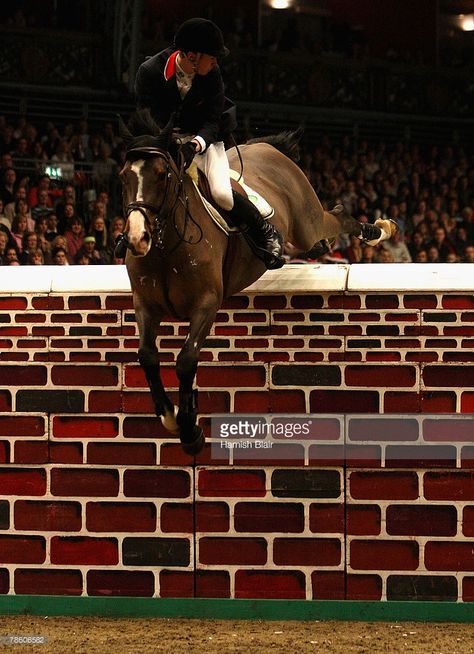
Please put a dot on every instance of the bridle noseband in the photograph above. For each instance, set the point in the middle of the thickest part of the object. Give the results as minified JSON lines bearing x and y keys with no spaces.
{"x":162,"y":211}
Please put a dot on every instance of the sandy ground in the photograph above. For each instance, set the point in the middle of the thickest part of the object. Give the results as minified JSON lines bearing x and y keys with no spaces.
{"x":120,"y":636}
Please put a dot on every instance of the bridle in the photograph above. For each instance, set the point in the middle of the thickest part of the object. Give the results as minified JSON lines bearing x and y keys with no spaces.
{"x":165,"y":208}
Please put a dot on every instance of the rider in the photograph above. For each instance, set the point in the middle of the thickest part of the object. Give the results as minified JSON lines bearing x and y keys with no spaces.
{"x":186,"y":80}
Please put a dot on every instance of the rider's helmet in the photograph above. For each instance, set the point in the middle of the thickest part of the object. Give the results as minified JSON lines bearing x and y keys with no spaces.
{"x":200,"y":35}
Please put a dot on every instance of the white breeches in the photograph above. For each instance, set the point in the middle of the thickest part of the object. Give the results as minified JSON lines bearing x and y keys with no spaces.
{"x":213,"y":163}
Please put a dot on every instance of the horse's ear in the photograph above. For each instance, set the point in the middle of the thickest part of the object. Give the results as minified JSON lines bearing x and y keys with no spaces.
{"x":124,"y":132}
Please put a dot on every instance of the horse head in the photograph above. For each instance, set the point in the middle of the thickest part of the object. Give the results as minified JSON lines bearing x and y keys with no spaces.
{"x":149,"y":178}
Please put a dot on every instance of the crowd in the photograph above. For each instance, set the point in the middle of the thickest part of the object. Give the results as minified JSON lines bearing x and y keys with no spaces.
{"x":75,"y":219}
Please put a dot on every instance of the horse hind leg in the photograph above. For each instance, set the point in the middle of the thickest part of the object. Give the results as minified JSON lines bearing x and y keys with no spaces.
{"x":372,"y":234}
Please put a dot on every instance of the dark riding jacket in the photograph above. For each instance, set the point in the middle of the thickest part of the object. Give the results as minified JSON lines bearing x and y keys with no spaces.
{"x":204,"y":111}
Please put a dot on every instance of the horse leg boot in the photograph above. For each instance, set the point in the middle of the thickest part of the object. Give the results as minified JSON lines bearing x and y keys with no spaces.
{"x":265,"y":241}
{"x":369,"y":233}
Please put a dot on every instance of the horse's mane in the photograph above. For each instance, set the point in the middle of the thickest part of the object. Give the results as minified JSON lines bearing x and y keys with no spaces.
{"x":141,"y":123}
{"x":286,"y":142}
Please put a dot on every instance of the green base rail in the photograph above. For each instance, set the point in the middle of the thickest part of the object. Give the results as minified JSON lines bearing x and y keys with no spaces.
{"x":236,"y":609}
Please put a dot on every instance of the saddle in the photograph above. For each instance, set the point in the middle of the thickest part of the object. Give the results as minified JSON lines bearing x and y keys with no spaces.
{"x":217,"y":213}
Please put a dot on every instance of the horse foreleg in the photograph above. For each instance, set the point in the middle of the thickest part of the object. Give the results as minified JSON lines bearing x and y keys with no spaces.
{"x":192,"y":437}
{"x":149,"y":360}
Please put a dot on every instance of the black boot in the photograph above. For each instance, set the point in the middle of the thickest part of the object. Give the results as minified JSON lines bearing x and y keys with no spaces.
{"x":264,"y":239}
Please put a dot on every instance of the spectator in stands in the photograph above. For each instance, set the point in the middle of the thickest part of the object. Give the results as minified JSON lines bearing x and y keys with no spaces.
{"x":368,"y":254}
{"x":28,"y":244}
{"x":44,"y":184}
{"x":397,"y":248}
{"x":3,"y":247}
{"x":59,"y":257}
{"x":384,"y":256}
{"x":433,"y":254}
{"x":8,"y":186}
{"x":354,"y":252}
{"x":22,"y":209}
{"x":98,"y":229}
{"x":63,"y":158}
{"x":104,"y":166}
{"x":43,"y":207}
{"x":4,"y":219}
{"x":442,"y":243}
{"x":41,"y":228}
{"x":19,"y":229}
{"x":89,"y":250}
{"x":74,"y":236}
{"x":35,"y":258}
{"x":52,"y":230}
{"x":468,"y":256}
{"x":11,"y":208}
{"x":11,"y":254}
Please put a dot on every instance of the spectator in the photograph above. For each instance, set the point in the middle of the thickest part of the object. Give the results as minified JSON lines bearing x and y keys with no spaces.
{"x":59,"y":257}
{"x":4,"y":219}
{"x":385,"y":256}
{"x":8,"y":186}
{"x":104,"y":166}
{"x":28,"y":244}
{"x":3,"y":247}
{"x":11,"y":254}
{"x":442,"y":243}
{"x":99,"y":231}
{"x":52,"y":227}
{"x":468,"y":254}
{"x":68,"y":197}
{"x":43,"y":207}
{"x":35,"y":258}
{"x":63,"y":158}
{"x":19,"y":229}
{"x":422,"y":256}
{"x":89,"y":250}
{"x":433,"y":254}
{"x":74,"y":236}
{"x":397,"y":248}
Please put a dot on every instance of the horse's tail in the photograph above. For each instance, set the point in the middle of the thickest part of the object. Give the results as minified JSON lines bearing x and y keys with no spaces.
{"x":286,"y":142}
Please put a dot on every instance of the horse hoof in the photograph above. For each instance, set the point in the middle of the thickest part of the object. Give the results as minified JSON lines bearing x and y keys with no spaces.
{"x":194,"y":446}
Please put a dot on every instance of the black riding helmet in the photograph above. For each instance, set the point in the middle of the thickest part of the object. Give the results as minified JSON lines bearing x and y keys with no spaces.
{"x":200,"y":35}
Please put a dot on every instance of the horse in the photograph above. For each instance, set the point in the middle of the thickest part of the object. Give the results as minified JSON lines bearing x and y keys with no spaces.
{"x":182,"y":265}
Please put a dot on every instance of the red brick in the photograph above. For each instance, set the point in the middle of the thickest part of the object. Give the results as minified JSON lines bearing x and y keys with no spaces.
{"x":383,"y":356}
{"x":421,"y":520}
{"x":344,"y":356}
{"x":232,"y":356}
{"x":84,"y":375}
{"x":364,"y":587}
{"x":270,"y":584}
{"x":5,"y":400}
{"x":232,"y":551}
{"x":363,"y":456}
{"x":344,"y":302}
{"x":32,"y":343}
{"x":384,"y":485}
{"x":449,"y":555}
{"x":457,"y":356}
{"x":420,"y":301}
{"x":467,"y":457}
{"x":307,"y":551}
{"x":121,"y":453}
{"x":14,"y":356}
{"x":172,"y":454}
{"x":252,"y":402}
{"x":177,"y":518}
{"x":157,"y":483}
{"x":79,"y":302}
{"x":229,"y":376}
{"x":384,"y":555}
{"x":211,"y":516}
{"x":120,"y":517}
{"x":149,"y":427}
{"x":66,"y":317}
{"x":363,"y":519}
{"x":81,"y":427}
{"x":65,"y":452}
{"x":455,"y":376}
{"x":4,"y":452}
{"x":308,"y":301}
{"x":344,"y":330}
{"x":270,"y":357}
{"x":23,"y":375}
{"x":103,"y":317}
{"x":4,"y":581}
{"x":364,"y":317}
{"x":31,"y":452}
{"x":13,"y":303}
{"x":120,"y":583}
{"x":344,"y":401}
{"x":454,"y":485}
{"x":328,"y":585}
{"x":22,"y":549}
{"x":48,"y":582}
{"x":260,"y":517}
{"x":438,"y":402}
{"x":448,"y":429}
{"x":135,"y":377}
{"x":30,"y":318}
{"x":330,"y":455}
{"x":119,"y":302}
{"x":130,"y":402}
{"x":175,"y":583}
{"x":381,"y":301}
{"x":270,"y":302}
{"x":212,"y":583}
{"x":390,"y":428}
{"x":14,"y":331}
{"x":326,"y":518}
{"x":22,"y":481}
{"x":107,"y":402}
{"x":47,"y":516}
{"x":468,"y":589}
{"x":398,"y":401}
{"x":377,"y":376}
{"x":422,"y":357}
{"x":467,"y":402}
{"x":81,"y":550}
{"x":233,"y":330}
{"x":87,"y":482}
{"x":231,"y":483}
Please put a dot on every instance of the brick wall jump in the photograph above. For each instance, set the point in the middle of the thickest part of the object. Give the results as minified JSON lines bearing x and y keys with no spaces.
{"x":97,"y":499}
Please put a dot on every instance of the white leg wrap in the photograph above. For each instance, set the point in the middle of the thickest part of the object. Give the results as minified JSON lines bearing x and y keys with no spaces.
{"x":169,"y":421}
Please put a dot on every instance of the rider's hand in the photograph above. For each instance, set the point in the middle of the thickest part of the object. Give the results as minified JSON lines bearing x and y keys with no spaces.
{"x":188,"y":150}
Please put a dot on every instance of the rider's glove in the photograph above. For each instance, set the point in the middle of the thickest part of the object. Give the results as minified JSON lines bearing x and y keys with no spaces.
{"x":188,"y":150}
